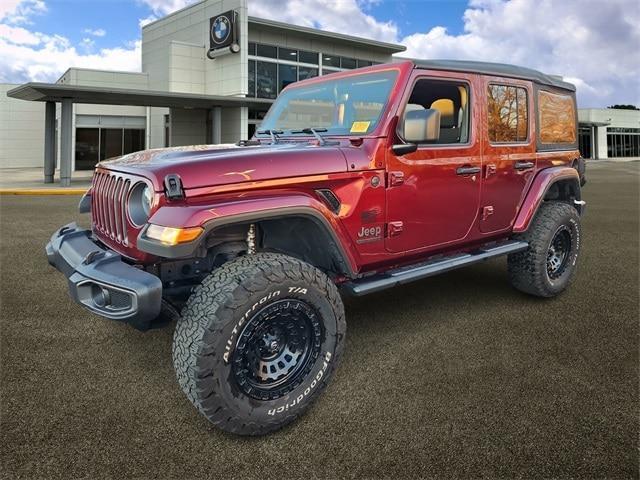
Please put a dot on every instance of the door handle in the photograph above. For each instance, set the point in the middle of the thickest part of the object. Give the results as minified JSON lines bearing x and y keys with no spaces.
{"x":468,"y":170}
{"x":523,"y":165}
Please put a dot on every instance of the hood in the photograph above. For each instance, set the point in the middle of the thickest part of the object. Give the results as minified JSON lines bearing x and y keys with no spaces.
{"x":209,"y":165}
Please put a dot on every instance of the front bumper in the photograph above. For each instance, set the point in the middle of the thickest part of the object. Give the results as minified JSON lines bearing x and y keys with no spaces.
{"x":101,"y":281}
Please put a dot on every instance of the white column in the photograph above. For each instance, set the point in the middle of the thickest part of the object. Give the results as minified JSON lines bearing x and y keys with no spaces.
{"x":49,"y":141}
{"x":216,"y":125}
{"x":601,"y":133}
{"x":66,"y":140}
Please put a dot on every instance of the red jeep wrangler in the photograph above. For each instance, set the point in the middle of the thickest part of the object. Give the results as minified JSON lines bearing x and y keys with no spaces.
{"x":357,"y":181}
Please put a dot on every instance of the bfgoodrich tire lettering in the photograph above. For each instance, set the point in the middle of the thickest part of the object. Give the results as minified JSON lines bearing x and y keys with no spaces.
{"x":216,"y":324}
{"x":548,"y":266}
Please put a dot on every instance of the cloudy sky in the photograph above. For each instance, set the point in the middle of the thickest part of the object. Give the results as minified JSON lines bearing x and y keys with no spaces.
{"x":592,"y":43}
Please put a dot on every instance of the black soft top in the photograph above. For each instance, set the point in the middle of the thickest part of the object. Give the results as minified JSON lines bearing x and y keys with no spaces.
{"x":497,"y":69}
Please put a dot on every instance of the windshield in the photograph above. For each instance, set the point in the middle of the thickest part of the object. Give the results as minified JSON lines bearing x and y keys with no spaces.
{"x":344,"y":106}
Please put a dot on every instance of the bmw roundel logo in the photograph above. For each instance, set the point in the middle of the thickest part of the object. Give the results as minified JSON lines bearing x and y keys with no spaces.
{"x":220,"y":30}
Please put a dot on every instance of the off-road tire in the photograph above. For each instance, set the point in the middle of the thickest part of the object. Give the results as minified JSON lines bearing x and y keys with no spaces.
{"x":212,"y":321}
{"x":528,"y":270}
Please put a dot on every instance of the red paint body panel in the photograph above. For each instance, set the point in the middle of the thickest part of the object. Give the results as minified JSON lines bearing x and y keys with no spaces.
{"x":541,"y":184}
{"x":430,"y":209}
{"x":208,"y":165}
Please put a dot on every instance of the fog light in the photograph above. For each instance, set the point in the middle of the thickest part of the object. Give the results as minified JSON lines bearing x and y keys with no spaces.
{"x":101,"y":296}
{"x":171,"y":235}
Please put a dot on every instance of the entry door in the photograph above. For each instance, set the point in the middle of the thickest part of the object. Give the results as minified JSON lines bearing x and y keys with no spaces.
{"x":509,"y":152}
{"x":433,"y":193}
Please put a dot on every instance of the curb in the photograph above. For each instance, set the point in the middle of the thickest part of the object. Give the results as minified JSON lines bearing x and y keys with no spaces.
{"x":43,"y":191}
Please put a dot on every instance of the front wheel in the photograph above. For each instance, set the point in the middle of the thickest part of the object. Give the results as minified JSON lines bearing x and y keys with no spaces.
{"x":258,"y":341}
{"x":547,"y":267}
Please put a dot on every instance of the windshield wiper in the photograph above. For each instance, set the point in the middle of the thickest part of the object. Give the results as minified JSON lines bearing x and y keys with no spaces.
{"x":272,"y":133}
{"x":314,"y":132}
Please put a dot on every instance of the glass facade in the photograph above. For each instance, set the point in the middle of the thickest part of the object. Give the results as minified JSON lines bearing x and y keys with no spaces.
{"x":97,"y":144}
{"x":623,"y":142}
{"x":272,"y":68}
{"x":584,"y":142}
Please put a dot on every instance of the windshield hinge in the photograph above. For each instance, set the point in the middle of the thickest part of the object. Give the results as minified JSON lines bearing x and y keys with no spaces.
{"x":173,"y":187}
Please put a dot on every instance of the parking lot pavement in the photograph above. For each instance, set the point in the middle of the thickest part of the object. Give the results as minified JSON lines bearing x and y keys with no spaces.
{"x":456,"y":376}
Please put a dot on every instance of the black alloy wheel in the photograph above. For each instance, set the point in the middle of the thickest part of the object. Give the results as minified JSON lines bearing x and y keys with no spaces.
{"x":558,"y":253}
{"x":276,"y":349}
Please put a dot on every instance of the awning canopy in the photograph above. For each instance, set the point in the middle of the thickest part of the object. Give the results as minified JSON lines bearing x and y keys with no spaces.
{"x":54,"y":92}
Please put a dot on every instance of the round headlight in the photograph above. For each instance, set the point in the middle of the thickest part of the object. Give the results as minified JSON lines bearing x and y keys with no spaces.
{"x":140,"y":202}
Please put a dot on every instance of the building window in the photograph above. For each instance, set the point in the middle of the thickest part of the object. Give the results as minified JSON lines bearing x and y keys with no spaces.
{"x":307,"y":72}
{"x":252,"y":79}
{"x":266,"y":79}
{"x":87,"y":148}
{"x":508,"y":114}
{"x":584,"y":141}
{"x":623,"y":142}
{"x":268,"y":51}
{"x":287,"y":54}
{"x":133,"y":140}
{"x":451,"y":99}
{"x":96,"y":144}
{"x":308,"y":57}
{"x":331,"y":61}
{"x":167,"y":131}
{"x":287,"y":74}
{"x":348,"y":63}
{"x":364,"y":63}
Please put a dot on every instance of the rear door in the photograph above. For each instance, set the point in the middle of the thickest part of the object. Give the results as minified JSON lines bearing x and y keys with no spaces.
{"x":509,"y":151}
{"x":433,"y":193}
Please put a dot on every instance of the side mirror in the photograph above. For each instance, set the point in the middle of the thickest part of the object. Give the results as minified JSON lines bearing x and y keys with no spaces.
{"x":421,"y":126}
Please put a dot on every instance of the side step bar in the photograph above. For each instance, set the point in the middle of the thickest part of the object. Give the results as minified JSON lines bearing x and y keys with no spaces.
{"x":412,"y":273}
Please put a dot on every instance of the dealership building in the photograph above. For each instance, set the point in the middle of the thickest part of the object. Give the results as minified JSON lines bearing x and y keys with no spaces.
{"x":209,"y":74}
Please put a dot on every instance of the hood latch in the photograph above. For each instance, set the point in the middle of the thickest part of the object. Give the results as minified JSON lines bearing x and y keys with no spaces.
{"x":173,"y":187}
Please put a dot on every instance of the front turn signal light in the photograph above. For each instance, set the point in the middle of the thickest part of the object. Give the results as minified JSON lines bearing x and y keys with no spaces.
{"x":171,"y":235}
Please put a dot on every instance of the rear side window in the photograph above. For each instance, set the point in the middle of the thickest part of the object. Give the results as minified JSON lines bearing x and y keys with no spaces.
{"x":557,"y":118}
{"x":508,"y":113}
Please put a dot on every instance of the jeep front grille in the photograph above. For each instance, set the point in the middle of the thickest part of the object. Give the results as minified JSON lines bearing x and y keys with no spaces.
{"x":109,"y":195}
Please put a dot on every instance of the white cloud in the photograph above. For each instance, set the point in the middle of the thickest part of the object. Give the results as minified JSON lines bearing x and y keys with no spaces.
{"x":164,"y":7}
{"x":34,"y":56}
{"x":342,"y":16}
{"x":593,"y":44}
{"x":98,"y":32}
{"x":19,"y":35}
{"x":51,"y":58}
{"x":19,"y":11}
{"x":147,"y":20}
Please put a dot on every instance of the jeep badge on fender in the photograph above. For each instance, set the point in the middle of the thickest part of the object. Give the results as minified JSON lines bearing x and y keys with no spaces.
{"x":255,"y":243}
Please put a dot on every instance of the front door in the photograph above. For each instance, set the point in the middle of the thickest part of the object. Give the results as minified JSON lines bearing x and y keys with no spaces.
{"x":509,"y":152}
{"x":433,"y":193}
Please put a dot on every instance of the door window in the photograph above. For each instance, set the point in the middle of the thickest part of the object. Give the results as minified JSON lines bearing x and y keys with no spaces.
{"x":508,"y":114}
{"x":451,"y":99}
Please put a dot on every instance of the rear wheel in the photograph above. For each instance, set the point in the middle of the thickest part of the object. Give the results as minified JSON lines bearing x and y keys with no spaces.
{"x":257,"y":342}
{"x":547,"y":267}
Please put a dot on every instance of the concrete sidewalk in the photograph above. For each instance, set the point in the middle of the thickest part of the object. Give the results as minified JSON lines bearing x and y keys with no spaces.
{"x":30,"y":181}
